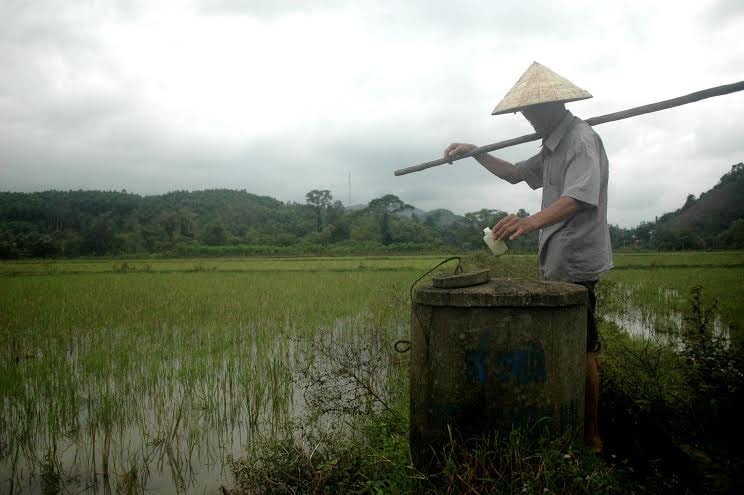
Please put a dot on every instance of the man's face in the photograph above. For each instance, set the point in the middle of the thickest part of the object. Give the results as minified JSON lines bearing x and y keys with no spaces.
{"x":541,"y":118}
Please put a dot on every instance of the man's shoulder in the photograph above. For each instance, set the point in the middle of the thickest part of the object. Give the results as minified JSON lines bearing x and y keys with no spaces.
{"x":580,"y":134}
{"x":581,"y":128}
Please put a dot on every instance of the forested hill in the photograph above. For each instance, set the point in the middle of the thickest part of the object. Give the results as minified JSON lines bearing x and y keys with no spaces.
{"x":715,"y":220}
{"x":715,"y":210}
{"x":227,"y":222}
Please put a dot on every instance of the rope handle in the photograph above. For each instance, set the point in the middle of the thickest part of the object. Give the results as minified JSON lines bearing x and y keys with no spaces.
{"x":403,"y":346}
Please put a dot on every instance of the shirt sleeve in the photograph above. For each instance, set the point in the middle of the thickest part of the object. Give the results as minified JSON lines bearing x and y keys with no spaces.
{"x":582,"y":179}
{"x":531,"y":170}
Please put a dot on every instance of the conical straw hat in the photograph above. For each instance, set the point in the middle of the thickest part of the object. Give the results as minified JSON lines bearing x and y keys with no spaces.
{"x":539,"y":85}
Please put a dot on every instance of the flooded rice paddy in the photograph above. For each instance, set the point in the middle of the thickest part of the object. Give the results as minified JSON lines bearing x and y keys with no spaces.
{"x":150,"y":378}
{"x":659,"y":322}
{"x":149,"y":375}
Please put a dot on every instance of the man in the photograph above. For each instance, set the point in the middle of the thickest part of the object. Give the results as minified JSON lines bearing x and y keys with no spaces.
{"x":572,"y":169}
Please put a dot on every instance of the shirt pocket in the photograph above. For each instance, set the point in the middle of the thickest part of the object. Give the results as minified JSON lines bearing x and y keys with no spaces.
{"x":553,"y":171}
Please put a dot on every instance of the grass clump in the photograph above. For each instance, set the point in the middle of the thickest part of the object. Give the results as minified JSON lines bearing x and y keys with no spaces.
{"x":507,"y":266}
{"x":353,"y":435}
{"x":373,"y":457}
{"x":531,"y":461}
{"x":329,"y":460}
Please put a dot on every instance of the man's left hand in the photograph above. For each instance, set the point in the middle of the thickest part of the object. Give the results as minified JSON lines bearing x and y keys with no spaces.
{"x":512,"y":227}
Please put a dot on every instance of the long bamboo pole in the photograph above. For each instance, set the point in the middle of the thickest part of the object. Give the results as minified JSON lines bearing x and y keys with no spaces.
{"x":602,"y":119}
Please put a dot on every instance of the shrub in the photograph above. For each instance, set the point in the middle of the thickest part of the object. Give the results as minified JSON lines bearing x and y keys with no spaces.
{"x":676,"y":405}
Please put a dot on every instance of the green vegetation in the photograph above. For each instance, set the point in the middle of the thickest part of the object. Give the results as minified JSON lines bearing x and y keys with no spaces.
{"x":660,"y":283}
{"x":674,"y":406}
{"x":157,"y":370}
{"x":237,"y":223}
{"x":376,"y":460}
{"x":186,"y":374}
{"x":228,"y":223}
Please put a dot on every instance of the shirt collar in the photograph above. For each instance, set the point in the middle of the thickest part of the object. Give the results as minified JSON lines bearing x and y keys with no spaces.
{"x":555,"y":137}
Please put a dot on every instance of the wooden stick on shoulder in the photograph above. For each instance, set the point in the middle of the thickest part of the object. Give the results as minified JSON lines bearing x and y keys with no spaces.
{"x":602,"y":119}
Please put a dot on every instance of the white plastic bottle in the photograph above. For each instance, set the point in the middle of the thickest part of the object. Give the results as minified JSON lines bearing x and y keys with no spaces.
{"x":498,"y":247}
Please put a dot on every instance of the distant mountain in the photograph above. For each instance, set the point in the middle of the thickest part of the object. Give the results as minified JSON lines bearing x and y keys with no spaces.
{"x":420,"y":214}
{"x":441,"y":216}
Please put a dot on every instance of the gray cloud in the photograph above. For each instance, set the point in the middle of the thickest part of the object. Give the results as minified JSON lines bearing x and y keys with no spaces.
{"x":270,"y":9}
{"x":280,"y":98}
{"x":723,"y":12}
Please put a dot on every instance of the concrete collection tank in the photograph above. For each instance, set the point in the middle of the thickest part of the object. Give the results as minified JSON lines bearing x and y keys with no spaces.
{"x":494,"y":356}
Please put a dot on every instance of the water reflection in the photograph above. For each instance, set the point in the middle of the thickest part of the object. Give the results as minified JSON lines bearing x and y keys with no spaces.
{"x":165,"y":418}
{"x":659,"y":320}
{"x":164,"y":426}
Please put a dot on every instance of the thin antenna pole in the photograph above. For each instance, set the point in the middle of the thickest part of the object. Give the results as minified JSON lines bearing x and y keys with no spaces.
{"x":348,"y":205}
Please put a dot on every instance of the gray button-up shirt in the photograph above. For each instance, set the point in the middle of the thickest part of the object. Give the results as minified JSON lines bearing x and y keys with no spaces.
{"x":572,"y":163}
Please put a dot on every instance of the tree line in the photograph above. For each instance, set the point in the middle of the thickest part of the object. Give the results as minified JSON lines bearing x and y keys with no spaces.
{"x":228,"y":222}
{"x":235,"y":222}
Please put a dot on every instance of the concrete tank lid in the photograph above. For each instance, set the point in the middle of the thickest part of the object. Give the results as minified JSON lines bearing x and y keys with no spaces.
{"x":504,"y":292}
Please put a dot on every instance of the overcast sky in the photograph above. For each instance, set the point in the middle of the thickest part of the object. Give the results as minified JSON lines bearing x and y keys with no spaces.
{"x":280,"y":97}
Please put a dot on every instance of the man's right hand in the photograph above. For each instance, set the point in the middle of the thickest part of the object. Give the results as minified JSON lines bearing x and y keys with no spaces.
{"x":456,"y":150}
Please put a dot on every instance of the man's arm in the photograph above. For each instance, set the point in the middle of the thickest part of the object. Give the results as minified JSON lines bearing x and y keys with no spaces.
{"x":512,"y":227}
{"x":498,"y":167}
